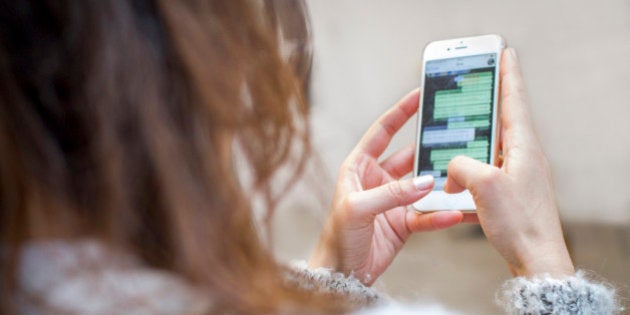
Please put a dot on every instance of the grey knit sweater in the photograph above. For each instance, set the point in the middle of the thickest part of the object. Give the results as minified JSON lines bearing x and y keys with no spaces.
{"x":84,"y":278}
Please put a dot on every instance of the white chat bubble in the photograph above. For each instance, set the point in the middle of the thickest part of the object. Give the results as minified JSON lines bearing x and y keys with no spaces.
{"x":448,"y":136}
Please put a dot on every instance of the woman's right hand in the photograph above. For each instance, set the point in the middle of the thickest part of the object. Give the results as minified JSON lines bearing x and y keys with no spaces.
{"x":515,"y":203}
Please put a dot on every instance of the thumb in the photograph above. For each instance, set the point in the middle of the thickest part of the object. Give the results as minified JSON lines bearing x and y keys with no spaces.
{"x":467,"y":173}
{"x":394,"y":194}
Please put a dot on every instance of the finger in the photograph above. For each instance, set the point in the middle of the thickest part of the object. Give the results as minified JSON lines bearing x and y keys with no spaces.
{"x":378,"y":136}
{"x":470,"y":218}
{"x":470,"y":174}
{"x":424,"y":222}
{"x":400,"y":163}
{"x":514,"y":111}
{"x":452,"y":187}
{"x":369,"y":203}
{"x":501,"y":153}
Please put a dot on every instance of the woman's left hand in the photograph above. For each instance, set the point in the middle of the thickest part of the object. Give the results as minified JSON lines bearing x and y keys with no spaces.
{"x":369,"y":222}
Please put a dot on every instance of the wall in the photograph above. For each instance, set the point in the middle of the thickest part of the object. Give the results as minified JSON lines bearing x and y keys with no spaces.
{"x":576,"y":60}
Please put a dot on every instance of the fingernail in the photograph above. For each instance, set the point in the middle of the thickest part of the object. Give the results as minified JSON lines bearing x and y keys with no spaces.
{"x":423,"y":182}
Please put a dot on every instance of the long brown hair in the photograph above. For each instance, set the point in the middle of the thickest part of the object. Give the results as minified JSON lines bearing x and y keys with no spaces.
{"x":122,"y":120}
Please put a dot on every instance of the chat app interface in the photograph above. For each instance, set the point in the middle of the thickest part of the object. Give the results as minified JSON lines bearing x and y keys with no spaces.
{"x":456,"y":113}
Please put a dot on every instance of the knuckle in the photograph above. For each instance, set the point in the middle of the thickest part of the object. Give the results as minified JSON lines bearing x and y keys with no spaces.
{"x":396,"y":192}
{"x":347,"y":163}
{"x":389,"y":129}
{"x":490,"y":178}
{"x":348,"y":203}
{"x":350,"y":208}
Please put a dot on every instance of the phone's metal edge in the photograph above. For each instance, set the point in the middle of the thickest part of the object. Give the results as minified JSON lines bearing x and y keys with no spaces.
{"x":419,"y":116}
{"x":496,"y":113}
{"x":496,"y":122}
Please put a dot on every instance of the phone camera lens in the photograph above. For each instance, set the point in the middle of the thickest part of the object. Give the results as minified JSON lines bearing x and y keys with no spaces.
{"x":491,"y":61}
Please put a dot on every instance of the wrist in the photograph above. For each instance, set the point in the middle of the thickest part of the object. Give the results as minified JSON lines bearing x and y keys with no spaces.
{"x":554,"y":261}
{"x":322,"y":257}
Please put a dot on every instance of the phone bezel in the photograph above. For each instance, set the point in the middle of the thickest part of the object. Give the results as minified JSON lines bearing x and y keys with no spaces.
{"x":453,"y":48}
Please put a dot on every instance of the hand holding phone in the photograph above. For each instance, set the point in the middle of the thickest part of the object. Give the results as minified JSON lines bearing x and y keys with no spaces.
{"x":516,"y":205}
{"x":368,"y":221}
{"x":458,"y":112}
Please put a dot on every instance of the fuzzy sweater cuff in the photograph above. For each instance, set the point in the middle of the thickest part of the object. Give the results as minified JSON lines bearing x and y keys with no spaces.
{"x":545,"y":295}
{"x":325,"y":280}
{"x":574,"y":295}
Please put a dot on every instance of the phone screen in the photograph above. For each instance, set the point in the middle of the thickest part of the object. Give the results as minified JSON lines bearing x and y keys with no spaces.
{"x":457,"y":112}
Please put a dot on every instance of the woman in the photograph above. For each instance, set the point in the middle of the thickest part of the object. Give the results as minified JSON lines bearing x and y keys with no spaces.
{"x":136,"y":136}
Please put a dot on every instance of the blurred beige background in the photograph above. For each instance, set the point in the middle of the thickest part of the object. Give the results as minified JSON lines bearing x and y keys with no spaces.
{"x":576,"y":61}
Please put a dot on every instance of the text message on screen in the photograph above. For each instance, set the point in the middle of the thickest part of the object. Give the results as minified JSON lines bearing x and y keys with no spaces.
{"x":456,"y":113}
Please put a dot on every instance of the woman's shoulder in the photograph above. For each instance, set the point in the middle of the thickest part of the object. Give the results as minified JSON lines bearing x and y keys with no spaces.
{"x":87,"y":277}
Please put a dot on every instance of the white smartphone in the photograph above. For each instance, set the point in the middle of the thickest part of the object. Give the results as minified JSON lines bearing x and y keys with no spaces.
{"x":458,"y":113}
